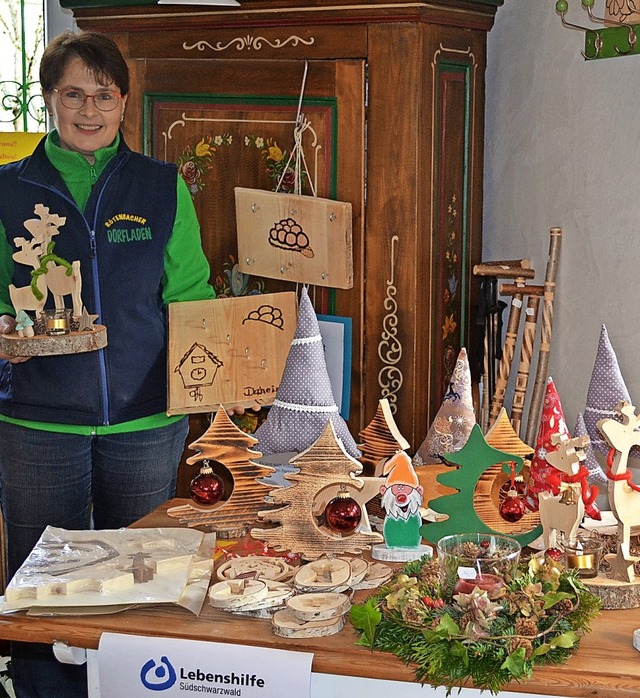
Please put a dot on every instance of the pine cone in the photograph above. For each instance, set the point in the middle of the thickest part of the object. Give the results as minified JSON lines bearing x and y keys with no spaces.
{"x":430,"y":572}
{"x":527,"y":627}
{"x":466,"y":620}
{"x":411,"y":613}
{"x":563,"y":607}
{"x":469,"y":549}
{"x":516,"y":643}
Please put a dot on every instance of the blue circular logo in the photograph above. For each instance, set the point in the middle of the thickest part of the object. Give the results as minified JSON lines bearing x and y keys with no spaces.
{"x":158,"y":677}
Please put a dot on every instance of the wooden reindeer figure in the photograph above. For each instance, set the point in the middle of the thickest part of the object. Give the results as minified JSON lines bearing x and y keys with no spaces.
{"x":50,"y":272}
{"x":63,"y":280}
{"x":45,"y":226}
{"x":563,"y":512}
{"x":624,"y":495}
{"x":30,"y":297}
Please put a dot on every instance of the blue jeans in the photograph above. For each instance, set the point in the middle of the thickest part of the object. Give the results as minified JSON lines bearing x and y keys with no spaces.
{"x":67,"y":481}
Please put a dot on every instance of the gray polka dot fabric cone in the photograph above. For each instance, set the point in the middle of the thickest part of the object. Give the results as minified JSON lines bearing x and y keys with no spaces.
{"x":606,"y":389}
{"x":450,"y":429}
{"x":596,"y":473}
{"x":304,"y":401}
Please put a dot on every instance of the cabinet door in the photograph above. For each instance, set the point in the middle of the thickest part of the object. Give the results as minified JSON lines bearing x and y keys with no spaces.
{"x":230,"y":123}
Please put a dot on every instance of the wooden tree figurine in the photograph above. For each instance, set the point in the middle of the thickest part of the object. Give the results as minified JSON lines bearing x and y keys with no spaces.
{"x":323,"y":465}
{"x":380,"y":439}
{"x":230,"y":447}
{"x":474,"y":458}
{"x":494,"y":484}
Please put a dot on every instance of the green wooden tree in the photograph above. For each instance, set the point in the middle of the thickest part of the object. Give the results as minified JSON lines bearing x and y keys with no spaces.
{"x":473,"y":459}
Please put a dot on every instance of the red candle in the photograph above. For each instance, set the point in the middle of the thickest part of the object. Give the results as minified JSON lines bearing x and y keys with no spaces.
{"x":490,"y":583}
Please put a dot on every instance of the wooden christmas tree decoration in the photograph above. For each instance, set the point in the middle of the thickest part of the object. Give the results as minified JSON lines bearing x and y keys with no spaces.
{"x":503,"y":436}
{"x":492,"y":484}
{"x":323,"y":465}
{"x":380,"y":439}
{"x":224,"y":443}
{"x":474,"y":458}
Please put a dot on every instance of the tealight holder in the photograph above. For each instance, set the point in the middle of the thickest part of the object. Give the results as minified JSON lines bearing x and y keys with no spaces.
{"x":57,"y":321}
{"x":584,"y":554}
{"x":477,"y":560}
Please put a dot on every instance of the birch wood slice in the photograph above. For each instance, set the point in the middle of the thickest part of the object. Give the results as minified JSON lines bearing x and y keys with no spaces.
{"x":273,"y":568}
{"x":285,"y":624}
{"x":237,"y":593}
{"x":377,"y":574}
{"x":51,"y":345}
{"x":323,"y":575}
{"x":614,"y":594}
{"x":277,"y":595}
{"x":321,"y":606}
{"x":359,"y":568}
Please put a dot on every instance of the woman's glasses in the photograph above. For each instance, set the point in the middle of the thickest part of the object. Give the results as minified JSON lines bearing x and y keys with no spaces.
{"x":75,"y":99}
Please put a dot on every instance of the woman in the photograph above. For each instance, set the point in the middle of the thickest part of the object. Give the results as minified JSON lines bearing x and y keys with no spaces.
{"x":85,"y":437}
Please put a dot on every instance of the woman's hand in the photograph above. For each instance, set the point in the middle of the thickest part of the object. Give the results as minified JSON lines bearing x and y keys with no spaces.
{"x":238,"y":410}
{"x":8,"y":326}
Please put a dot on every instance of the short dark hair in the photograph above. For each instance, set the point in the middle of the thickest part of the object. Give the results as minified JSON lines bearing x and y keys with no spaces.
{"x":97,"y":51}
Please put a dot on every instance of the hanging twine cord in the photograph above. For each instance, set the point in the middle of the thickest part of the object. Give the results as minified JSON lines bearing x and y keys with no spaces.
{"x":297,"y":152}
{"x":297,"y":157}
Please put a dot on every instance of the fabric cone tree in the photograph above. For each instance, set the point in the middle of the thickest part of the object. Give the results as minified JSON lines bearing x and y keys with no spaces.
{"x":304,"y":401}
{"x":452,"y":425}
{"x":596,"y":474}
{"x":543,"y":476}
{"x":606,"y":389}
{"x":551,"y":422}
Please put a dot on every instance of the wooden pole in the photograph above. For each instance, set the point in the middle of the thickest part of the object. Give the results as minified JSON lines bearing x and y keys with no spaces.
{"x":503,"y":270}
{"x":545,"y":335}
{"x":508,"y":351}
{"x":526,"y":350}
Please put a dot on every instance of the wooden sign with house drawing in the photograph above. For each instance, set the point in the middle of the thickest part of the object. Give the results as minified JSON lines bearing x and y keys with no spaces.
{"x":228,"y":350}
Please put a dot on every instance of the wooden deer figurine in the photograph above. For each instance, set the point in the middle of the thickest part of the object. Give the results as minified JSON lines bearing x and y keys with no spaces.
{"x":28,"y":297}
{"x":563,"y":512}
{"x":624,"y":495}
{"x":63,"y":281}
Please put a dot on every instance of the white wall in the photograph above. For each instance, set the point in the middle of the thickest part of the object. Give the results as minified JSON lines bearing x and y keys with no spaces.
{"x":57,"y":19}
{"x":562,"y":149}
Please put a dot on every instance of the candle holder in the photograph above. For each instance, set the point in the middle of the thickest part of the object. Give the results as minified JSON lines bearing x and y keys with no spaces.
{"x":477,"y":560}
{"x":57,"y":322}
{"x":584,"y":554}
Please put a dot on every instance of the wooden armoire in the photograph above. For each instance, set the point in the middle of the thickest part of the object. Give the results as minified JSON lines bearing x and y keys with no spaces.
{"x":394,"y":95}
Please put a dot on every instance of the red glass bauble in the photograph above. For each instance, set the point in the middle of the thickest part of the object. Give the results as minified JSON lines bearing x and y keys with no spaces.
{"x":206,"y":487}
{"x":342,"y":514}
{"x":512,"y":508}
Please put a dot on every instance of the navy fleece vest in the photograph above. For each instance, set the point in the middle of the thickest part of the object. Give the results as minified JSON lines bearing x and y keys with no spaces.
{"x":120,"y":242}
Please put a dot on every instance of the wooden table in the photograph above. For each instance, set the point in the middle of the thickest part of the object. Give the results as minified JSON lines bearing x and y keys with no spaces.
{"x":606,"y":665}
